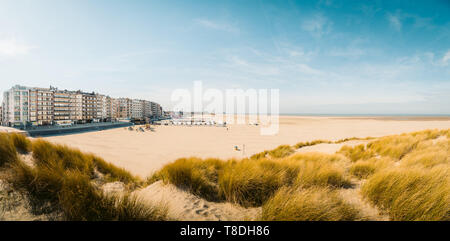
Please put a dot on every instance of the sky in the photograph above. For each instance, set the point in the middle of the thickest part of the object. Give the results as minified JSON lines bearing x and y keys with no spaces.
{"x":325,"y":57}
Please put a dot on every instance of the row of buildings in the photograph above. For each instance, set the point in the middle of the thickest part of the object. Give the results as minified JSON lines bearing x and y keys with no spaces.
{"x":30,"y":106}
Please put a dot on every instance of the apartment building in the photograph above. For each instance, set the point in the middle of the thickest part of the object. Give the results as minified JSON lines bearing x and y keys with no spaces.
{"x":62,"y":107}
{"x":113,"y":111}
{"x":147,"y":109}
{"x":76,"y":107}
{"x":89,"y":107}
{"x":137,"y":109}
{"x":125,"y":107}
{"x":101,"y":107}
{"x":16,"y":106}
{"x":25,"y":106}
{"x":156,"y":109}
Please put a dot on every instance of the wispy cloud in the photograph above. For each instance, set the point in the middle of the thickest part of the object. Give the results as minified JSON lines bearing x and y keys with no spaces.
{"x":401,"y":19}
{"x":348,"y":52}
{"x":217,"y":25}
{"x":394,"y":21}
{"x":446,"y":58}
{"x":317,"y":25}
{"x":306,"y":69}
{"x":13,"y":47}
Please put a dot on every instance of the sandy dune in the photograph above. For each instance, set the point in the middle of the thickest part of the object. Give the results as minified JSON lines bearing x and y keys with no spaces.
{"x":183,"y":205}
{"x":144,"y":153}
{"x":331,"y":148}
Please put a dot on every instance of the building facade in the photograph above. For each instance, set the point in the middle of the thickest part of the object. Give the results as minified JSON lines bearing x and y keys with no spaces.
{"x":32,"y":106}
{"x":16,"y":106}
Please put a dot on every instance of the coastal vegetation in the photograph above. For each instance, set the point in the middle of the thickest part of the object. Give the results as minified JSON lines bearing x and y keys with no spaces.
{"x":65,"y":183}
{"x":403,"y":177}
{"x":312,"y":204}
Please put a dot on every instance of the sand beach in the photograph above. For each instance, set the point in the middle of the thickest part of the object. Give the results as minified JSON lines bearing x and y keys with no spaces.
{"x":143,"y":153}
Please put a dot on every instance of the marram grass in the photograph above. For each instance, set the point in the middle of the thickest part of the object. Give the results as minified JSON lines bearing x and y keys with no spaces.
{"x":411,"y":194}
{"x":312,"y":204}
{"x":8,"y":153}
{"x":406,"y":176}
{"x":61,"y":182}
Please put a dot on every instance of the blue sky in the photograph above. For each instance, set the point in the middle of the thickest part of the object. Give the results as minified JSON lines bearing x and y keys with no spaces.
{"x":390,"y":57}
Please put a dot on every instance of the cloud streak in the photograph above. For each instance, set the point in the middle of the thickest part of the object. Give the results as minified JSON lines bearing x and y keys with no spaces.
{"x":318,"y":25}
{"x":11,"y":47}
{"x":394,"y":21}
{"x":217,"y":25}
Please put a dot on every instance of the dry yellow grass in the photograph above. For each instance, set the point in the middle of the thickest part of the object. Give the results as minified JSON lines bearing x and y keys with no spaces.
{"x":408,"y":177}
{"x":271,"y":182}
{"x":316,"y":169}
{"x":21,"y":142}
{"x":429,"y":154}
{"x":411,"y":194}
{"x":365,"y":168}
{"x":198,"y":176}
{"x":8,"y":152}
{"x":313,"y":204}
{"x":251,"y":182}
{"x":61,"y":182}
{"x":279,"y":152}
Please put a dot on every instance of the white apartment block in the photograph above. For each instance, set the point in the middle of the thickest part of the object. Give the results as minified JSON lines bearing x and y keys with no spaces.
{"x":76,"y":107}
{"x":15,"y":106}
{"x":137,"y":109}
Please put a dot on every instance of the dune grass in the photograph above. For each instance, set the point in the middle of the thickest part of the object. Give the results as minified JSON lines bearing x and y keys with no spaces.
{"x":310,"y":143}
{"x":198,"y":176}
{"x":21,"y":142}
{"x":359,"y":152}
{"x":408,"y":177}
{"x":80,"y":201}
{"x":321,"y":172}
{"x":305,"y":186}
{"x":364,"y":168}
{"x":259,"y":155}
{"x":312,"y":204}
{"x":8,"y":153}
{"x":316,"y":142}
{"x":279,"y":152}
{"x":61,"y":182}
{"x":250,"y":182}
{"x":114,"y":173}
{"x":428,"y":154}
{"x":411,"y":194}
{"x":63,"y":157}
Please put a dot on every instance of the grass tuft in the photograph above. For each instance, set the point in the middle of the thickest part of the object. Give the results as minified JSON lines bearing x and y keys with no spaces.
{"x":364,"y":168}
{"x":281,"y":151}
{"x":411,"y":194}
{"x":249,"y":182}
{"x":312,"y":204}
{"x":197,"y":175}
{"x":21,"y":142}
{"x":8,"y":153}
{"x":316,"y":169}
{"x":81,"y":201}
{"x":114,"y":173}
